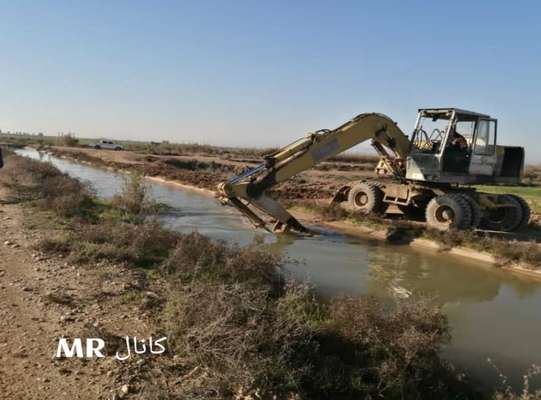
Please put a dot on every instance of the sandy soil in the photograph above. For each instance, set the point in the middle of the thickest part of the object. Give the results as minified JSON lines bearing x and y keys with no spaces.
{"x":44,"y":299}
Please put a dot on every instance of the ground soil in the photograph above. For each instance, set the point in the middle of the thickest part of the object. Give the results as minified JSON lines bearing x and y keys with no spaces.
{"x":43,"y":299}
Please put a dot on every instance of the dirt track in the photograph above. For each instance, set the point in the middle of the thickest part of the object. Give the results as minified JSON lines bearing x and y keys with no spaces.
{"x":42,"y":300}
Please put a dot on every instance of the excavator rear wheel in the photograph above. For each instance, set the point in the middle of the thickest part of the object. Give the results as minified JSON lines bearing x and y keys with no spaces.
{"x":526,"y":211}
{"x":506,"y":219}
{"x":366,"y":198}
{"x":448,"y":211}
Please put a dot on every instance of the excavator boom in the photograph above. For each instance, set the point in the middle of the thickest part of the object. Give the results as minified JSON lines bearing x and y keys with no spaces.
{"x":248,"y":191}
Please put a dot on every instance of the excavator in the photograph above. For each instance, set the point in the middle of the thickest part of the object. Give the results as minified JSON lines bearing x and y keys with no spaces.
{"x":435,"y":173}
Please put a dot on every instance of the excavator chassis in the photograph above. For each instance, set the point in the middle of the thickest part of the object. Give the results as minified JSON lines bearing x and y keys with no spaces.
{"x":443,"y":206}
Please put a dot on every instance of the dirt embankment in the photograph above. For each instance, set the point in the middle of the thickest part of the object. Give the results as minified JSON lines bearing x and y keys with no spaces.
{"x":235,"y":328}
{"x":207,"y":171}
{"x":313,"y":188}
{"x":43,"y":299}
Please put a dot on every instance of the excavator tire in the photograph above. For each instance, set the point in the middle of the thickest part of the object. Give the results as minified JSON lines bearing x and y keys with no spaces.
{"x":448,"y":211}
{"x":475,"y":210}
{"x":366,"y":198}
{"x":506,"y":219}
{"x":526,"y":211}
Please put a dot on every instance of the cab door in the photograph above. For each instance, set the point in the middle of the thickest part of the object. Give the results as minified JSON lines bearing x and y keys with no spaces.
{"x":483,"y":158}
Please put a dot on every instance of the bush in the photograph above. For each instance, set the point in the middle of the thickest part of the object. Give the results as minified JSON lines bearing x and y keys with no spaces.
{"x":134,"y":199}
{"x":198,"y":257}
{"x":388,"y":353}
{"x":67,"y":139}
{"x":141,"y":245}
{"x":231,"y":314}
{"x":47,"y":187}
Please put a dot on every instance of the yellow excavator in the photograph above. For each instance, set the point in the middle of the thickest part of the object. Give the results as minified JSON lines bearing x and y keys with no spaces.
{"x":432,"y":173}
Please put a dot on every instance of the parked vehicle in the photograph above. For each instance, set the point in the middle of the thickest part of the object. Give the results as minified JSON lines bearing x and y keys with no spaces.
{"x":107,"y":145}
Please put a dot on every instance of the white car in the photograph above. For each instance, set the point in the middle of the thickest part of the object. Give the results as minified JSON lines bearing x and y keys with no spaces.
{"x":107,"y":145}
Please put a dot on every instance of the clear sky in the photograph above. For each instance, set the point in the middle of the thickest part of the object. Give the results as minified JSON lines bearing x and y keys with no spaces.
{"x":254,"y":73}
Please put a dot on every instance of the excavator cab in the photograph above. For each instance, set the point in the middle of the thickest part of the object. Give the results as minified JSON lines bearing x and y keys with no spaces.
{"x":451,"y":145}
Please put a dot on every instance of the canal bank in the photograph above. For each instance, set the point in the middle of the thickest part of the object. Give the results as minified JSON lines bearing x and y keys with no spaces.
{"x":492,"y":313}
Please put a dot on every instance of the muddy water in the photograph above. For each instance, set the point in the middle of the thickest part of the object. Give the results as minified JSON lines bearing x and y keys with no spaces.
{"x":493,"y":314}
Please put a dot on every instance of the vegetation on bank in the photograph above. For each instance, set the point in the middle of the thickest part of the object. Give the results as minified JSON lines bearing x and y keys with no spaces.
{"x":520,"y":248}
{"x":402,"y":231}
{"x":238,"y":327}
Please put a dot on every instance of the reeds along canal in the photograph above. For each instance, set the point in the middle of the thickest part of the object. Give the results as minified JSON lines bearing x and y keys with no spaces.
{"x":492,"y":313}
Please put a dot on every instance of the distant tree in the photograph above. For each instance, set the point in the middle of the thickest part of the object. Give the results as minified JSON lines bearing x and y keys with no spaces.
{"x":67,"y":139}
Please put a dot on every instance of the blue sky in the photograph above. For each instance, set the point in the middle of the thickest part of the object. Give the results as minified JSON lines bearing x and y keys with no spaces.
{"x":264,"y":73}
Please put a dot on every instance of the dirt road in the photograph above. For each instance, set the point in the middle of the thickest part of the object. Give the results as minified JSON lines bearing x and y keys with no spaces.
{"x":42,"y":300}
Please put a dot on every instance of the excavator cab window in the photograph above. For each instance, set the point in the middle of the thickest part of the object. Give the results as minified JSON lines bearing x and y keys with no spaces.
{"x":430,"y":133}
{"x":457,"y":154}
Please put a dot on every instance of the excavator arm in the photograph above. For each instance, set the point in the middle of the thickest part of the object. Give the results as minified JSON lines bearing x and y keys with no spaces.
{"x":248,"y":191}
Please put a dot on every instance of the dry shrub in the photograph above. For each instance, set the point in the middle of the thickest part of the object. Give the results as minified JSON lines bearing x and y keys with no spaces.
{"x":41,"y":182}
{"x":140,"y":245}
{"x":198,"y":257}
{"x":513,"y":251}
{"x":67,"y":139}
{"x":240,"y":337}
{"x":134,"y":198}
{"x":506,"y":250}
{"x":231,"y":316}
{"x":393,"y":353}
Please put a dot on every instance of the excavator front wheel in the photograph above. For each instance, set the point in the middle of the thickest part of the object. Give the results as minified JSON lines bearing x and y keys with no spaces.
{"x":366,"y":198}
{"x":475,"y":210}
{"x":449,"y":211}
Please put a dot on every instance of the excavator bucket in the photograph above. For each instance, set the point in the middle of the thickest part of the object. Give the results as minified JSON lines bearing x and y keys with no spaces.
{"x":264,"y":204}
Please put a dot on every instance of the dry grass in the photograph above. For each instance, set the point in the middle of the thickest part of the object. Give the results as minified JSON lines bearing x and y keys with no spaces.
{"x":237,"y":326}
{"x":508,"y":251}
{"x":134,"y":199}
{"x":44,"y":185}
{"x":246,"y":332}
{"x":67,"y":139}
{"x":140,"y":245}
